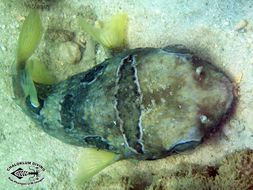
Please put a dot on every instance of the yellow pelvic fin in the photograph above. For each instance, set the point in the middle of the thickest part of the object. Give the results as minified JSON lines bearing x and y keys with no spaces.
{"x":93,"y":161}
{"x":39,"y":72}
{"x":111,"y":34}
{"x":29,"y":37}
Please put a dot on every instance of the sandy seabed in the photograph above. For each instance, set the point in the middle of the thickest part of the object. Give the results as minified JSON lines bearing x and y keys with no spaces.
{"x":218,"y":31}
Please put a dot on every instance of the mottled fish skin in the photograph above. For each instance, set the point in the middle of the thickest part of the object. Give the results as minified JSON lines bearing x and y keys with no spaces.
{"x":144,"y":103}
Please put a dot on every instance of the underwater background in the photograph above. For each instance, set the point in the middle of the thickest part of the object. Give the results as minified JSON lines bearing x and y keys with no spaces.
{"x":218,"y":31}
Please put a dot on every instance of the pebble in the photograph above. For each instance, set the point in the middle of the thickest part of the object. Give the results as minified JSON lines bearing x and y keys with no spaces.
{"x":2,"y":137}
{"x":2,"y":26}
{"x":251,"y":60}
{"x":69,"y":52}
{"x":241,"y":25}
{"x":226,"y":23}
{"x":2,"y":47}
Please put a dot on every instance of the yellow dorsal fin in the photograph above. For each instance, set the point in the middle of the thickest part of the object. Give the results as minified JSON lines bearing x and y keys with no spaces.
{"x":93,"y":161}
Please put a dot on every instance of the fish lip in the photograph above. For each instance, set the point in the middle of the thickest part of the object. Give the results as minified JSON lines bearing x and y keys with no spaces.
{"x":217,"y":129}
{"x":215,"y":132}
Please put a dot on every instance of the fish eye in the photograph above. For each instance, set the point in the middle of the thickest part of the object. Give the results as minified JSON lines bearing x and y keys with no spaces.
{"x":181,"y":147}
{"x":91,"y":75}
{"x":200,"y":73}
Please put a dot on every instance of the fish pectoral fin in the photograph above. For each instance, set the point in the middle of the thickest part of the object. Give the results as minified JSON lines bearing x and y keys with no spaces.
{"x":111,"y":34}
{"x":92,"y":161}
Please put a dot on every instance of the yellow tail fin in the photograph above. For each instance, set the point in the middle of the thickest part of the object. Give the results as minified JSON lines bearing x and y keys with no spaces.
{"x":111,"y":34}
{"x":93,"y":161}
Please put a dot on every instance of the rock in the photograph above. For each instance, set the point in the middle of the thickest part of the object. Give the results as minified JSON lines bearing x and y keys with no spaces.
{"x":241,"y":25}
{"x":69,"y":53}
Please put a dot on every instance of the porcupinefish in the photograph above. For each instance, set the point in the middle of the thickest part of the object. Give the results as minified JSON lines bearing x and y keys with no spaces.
{"x":144,"y":103}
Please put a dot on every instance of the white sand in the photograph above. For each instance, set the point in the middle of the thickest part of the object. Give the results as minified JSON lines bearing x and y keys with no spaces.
{"x":209,"y":28}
